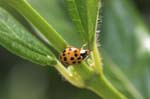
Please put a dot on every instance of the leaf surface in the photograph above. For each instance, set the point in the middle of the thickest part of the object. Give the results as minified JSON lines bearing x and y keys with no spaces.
{"x":15,"y":38}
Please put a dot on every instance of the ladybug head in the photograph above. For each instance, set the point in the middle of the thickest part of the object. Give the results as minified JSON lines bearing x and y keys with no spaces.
{"x":84,"y":53}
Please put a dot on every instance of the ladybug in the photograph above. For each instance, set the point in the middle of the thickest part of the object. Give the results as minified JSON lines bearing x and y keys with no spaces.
{"x":72,"y":55}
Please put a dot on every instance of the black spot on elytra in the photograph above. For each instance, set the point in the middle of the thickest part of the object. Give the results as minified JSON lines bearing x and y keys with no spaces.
{"x":63,"y":54}
{"x":75,"y":55}
{"x":64,"y":51}
{"x":72,"y":58}
{"x":73,"y":62}
{"x":65,"y":58}
{"x":79,"y":58}
{"x":75,"y":51}
{"x":79,"y":62}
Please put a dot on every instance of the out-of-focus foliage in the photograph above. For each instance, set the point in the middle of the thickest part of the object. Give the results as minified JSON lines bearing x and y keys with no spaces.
{"x":125,"y":58}
{"x":125,"y":41}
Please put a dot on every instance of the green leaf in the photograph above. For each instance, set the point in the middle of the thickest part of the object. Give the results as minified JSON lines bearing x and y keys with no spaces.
{"x":15,"y":38}
{"x":124,"y":34}
{"x":30,"y":14}
{"x":55,"y":13}
{"x":84,"y":15}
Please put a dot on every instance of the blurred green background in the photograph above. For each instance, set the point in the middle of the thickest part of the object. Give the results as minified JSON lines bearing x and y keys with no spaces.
{"x":124,"y":27}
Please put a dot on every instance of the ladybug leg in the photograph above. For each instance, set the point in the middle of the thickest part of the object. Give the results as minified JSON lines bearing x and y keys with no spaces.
{"x":84,"y":46}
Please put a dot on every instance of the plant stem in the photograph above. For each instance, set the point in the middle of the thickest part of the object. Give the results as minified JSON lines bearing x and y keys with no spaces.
{"x":34,"y":17}
{"x":73,"y":79}
{"x":98,"y":83}
{"x":101,"y":86}
{"x":97,"y":59}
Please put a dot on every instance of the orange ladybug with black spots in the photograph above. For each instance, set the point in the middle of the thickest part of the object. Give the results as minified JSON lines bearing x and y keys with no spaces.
{"x":72,"y":55}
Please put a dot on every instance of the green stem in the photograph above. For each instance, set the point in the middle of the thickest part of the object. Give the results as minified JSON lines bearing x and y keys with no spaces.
{"x":97,"y":59}
{"x":69,"y":76}
{"x":101,"y":86}
{"x":34,"y":17}
{"x":84,"y":71}
{"x":97,"y":83}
